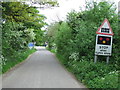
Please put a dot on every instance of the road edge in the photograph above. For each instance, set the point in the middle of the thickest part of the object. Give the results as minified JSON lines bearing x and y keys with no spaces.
{"x":70,"y":73}
{"x":16,"y":66}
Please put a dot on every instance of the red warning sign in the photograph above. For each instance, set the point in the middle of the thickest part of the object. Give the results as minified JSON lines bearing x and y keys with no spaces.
{"x":105,"y":28}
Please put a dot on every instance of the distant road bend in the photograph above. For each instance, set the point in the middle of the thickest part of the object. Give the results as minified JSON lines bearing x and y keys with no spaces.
{"x":40,"y":70}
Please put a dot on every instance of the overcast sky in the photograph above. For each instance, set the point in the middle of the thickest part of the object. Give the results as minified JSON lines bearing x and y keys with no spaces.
{"x":59,"y":13}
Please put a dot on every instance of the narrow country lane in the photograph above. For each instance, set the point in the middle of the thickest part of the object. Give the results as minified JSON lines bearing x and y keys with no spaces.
{"x":40,"y":70}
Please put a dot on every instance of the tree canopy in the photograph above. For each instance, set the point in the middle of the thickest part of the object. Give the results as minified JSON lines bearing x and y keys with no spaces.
{"x":21,"y":24}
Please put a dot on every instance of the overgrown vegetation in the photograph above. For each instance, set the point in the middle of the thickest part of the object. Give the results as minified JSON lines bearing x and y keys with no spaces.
{"x":21,"y":24}
{"x":10,"y":61}
{"x":74,"y":43}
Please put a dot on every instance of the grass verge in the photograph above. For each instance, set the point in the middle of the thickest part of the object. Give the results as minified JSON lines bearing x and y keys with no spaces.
{"x":16,"y":58}
{"x":94,"y":76}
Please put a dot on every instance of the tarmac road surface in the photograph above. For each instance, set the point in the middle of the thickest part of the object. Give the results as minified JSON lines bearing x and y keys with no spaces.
{"x":40,"y":70}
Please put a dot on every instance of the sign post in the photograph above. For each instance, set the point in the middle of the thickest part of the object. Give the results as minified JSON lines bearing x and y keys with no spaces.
{"x":95,"y":59}
{"x":104,"y":41}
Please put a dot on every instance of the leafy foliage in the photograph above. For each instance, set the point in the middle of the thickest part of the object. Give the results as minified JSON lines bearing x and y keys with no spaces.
{"x":109,"y":81}
{"x":50,"y":36}
{"x":27,"y":15}
{"x":13,"y":38}
{"x":20,"y":12}
{"x":21,"y":24}
{"x":75,"y":44}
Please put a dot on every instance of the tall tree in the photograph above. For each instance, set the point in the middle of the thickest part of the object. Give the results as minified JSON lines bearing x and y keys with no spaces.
{"x":21,"y":12}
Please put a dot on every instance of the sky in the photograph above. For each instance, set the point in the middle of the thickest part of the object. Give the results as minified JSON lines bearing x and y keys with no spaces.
{"x":59,"y":13}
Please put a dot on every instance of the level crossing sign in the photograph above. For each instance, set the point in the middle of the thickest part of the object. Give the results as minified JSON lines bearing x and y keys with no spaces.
{"x":104,"y":39}
{"x":103,"y":45}
{"x":105,"y":28}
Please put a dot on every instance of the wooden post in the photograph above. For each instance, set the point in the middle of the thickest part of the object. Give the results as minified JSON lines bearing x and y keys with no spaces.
{"x":95,"y":59}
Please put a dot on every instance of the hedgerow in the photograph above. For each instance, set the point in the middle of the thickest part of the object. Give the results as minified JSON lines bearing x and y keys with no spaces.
{"x":75,"y":45}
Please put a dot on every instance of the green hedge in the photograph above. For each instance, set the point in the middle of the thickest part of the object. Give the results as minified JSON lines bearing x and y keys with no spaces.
{"x":75,"y":45}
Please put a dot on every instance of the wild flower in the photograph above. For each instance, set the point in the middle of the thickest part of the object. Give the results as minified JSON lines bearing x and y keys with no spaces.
{"x":116,"y":72}
{"x":74,"y":56}
{"x":3,"y":60}
{"x":102,"y":78}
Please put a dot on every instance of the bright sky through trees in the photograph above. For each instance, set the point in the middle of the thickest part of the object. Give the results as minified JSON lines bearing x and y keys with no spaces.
{"x":59,"y":13}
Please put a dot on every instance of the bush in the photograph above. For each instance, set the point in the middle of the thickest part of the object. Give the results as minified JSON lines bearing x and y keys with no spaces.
{"x":99,"y":75}
{"x":75,"y":43}
{"x":108,"y":81}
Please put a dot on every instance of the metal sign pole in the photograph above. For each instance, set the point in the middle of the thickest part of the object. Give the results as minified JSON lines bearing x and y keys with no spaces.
{"x":107,"y":59}
{"x":95,"y":59}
